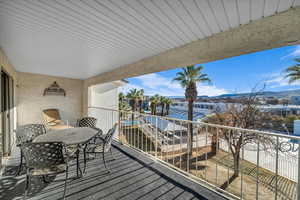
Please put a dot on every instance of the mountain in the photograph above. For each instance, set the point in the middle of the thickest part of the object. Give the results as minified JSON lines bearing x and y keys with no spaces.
{"x":279,"y":94}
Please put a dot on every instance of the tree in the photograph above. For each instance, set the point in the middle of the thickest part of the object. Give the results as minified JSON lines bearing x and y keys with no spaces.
{"x":154,"y":100}
{"x":135,"y":96}
{"x":246,"y":116}
{"x":188,"y":79}
{"x":168,"y":102}
{"x":162,"y":100}
{"x":121,"y":97}
{"x":123,"y":106}
{"x":272,"y":101}
{"x":141,"y":99}
{"x":293,"y":72}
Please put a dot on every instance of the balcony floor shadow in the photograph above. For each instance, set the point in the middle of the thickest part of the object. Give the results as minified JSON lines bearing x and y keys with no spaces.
{"x":133,"y":176}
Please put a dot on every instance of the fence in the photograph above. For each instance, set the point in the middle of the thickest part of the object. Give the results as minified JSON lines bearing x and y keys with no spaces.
{"x":247,"y":164}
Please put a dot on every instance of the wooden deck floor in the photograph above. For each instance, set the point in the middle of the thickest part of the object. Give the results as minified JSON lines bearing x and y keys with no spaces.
{"x":133,"y":176}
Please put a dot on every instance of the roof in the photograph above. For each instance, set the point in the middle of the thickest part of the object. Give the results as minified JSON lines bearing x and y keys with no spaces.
{"x":164,"y":125}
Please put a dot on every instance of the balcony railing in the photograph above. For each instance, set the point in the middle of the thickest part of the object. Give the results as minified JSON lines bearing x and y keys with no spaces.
{"x":242,"y":163}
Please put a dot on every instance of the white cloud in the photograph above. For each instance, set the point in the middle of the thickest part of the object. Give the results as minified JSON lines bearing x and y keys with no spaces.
{"x":209,"y":90}
{"x":154,"y":80}
{"x":278,"y":80}
{"x":157,"y":84}
{"x":294,"y":53}
{"x":129,"y":86}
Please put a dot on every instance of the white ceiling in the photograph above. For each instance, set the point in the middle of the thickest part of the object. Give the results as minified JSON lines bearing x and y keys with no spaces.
{"x":105,"y":87}
{"x":83,"y":38}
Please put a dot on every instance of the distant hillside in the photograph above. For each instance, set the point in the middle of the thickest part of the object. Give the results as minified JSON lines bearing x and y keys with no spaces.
{"x":280,"y":94}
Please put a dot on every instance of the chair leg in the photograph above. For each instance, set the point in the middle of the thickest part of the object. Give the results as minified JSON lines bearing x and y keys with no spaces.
{"x":112,"y":155}
{"x":27,"y":184}
{"x":65,"y":188}
{"x":21,"y":164}
{"x":78,"y":170}
{"x":84,"y":159}
{"x":45,"y":180}
{"x":103,"y":156}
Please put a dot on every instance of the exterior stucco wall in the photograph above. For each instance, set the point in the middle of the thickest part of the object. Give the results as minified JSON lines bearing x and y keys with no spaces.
{"x":31,"y":101}
{"x":108,"y":99}
{"x":4,"y":62}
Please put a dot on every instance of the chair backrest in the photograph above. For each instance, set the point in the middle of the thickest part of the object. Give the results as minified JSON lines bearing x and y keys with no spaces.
{"x":51,"y":117}
{"x":43,"y":154}
{"x":87,"y":122}
{"x":109,"y":136}
{"x":28,"y":132}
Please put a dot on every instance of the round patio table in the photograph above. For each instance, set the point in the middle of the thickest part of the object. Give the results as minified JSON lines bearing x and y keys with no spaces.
{"x":71,"y":136}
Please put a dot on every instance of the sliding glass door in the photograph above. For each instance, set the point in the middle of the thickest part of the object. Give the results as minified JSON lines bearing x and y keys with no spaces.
{"x":7,"y":113}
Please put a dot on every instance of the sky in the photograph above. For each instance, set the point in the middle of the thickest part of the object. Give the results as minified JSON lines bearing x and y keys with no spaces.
{"x":232,"y":75}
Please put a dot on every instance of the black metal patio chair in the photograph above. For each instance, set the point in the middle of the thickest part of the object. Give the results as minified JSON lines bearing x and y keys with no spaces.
{"x":101,"y":145}
{"x":44,"y":159}
{"x":88,"y":122}
{"x":27,"y":133}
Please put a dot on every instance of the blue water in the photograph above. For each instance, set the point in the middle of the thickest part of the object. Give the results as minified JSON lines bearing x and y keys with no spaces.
{"x":129,"y":123}
{"x":294,"y":141}
{"x":178,"y":114}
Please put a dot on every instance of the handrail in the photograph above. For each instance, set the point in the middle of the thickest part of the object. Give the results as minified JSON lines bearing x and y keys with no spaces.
{"x":182,"y":153}
{"x":207,"y":124}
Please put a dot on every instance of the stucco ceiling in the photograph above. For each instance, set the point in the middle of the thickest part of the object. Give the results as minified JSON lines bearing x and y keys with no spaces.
{"x":83,"y":38}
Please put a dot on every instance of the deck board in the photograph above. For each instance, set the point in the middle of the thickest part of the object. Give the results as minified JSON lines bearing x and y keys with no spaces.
{"x":133,"y":177}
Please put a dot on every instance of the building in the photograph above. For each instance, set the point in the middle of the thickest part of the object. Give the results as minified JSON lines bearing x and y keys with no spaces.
{"x":81,"y":45}
{"x":201,"y":107}
{"x":282,"y":110}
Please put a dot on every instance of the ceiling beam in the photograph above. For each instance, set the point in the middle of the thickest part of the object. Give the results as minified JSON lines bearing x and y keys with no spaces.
{"x":275,"y":31}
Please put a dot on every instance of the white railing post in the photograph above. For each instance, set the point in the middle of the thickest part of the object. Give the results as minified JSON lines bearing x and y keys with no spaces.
{"x":284,"y":165}
{"x":156,"y":142}
{"x":298,"y":184}
{"x":206,"y":142}
{"x":119,"y":127}
{"x":257,"y":165}
{"x":241,"y":167}
{"x":276,"y":167}
{"x":173,"y":148}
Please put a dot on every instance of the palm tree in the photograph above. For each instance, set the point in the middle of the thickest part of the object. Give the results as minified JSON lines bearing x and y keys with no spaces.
{"x":168,"y":102}
{"x":134,"y":96}
{"x":188,"y":79}
{"x":162,"y":100}
{"x":293,"y":72}
{"x":141,"y":99}
{"x":123,"y":106}
{"x":154,"y":100}
{"x":121,"y":96}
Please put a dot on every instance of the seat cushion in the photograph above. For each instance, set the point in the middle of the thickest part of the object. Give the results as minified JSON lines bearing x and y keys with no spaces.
{"x":71,"y":151}
{"x":58,"y":127}
{"x":49,"y":170}
{"x":94,"y":148}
